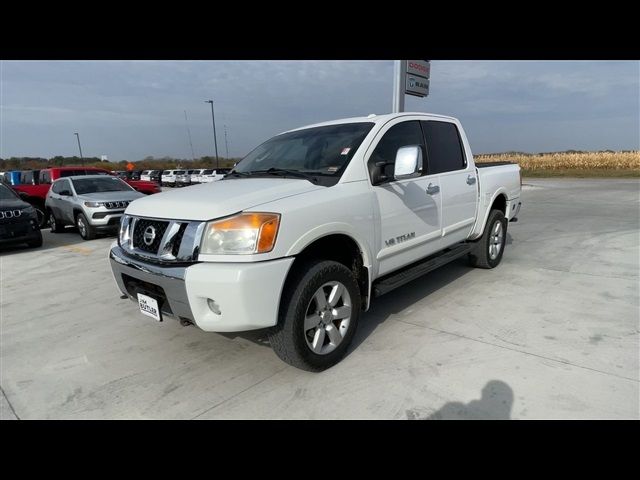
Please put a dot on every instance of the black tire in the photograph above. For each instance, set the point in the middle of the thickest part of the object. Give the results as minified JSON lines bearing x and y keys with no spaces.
{"x":56,"y":226}
{"x":37,"y":242}
{"x":480,"y":256}
{"x":287,"y":338}
{"x":42,"y":216}
{"x":87,"y":232}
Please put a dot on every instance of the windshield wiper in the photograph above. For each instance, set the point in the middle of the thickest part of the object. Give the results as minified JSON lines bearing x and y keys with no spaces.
{"x":284,"y":172}
{"x":238,"y":174}
{"x":276,"y":171}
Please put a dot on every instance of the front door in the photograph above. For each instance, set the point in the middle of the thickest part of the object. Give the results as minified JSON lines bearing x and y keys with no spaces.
{"x":409,"y":210}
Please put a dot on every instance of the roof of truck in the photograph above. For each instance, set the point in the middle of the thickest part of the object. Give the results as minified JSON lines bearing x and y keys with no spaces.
{"x":372,"y":118}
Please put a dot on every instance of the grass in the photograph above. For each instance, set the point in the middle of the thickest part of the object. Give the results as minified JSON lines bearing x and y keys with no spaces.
{"x":572,"y":164}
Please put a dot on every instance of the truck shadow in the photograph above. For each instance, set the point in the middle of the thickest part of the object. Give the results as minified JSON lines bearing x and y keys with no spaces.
{"x":404,"y":297}
{"x":387,"y":305}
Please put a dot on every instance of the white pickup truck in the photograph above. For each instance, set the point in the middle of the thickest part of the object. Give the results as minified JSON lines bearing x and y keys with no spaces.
{"x":313,"y":224}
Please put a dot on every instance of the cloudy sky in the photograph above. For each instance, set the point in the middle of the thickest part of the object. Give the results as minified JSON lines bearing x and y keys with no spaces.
{"x":132,"y":109}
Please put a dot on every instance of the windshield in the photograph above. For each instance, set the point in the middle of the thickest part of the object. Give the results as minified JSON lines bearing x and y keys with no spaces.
{"x":94,"y":185}
{"x":319,"y":150}
{"x":6,"y":193}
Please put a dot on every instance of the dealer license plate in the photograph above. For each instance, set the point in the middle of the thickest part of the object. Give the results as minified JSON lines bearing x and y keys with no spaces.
{"x":149,"y":306}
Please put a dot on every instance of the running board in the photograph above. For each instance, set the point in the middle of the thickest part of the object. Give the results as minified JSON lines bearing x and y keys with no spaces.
{"x":416,"y":270}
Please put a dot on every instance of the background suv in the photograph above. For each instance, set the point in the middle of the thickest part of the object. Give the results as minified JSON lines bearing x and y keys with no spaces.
{"x":18,"y":220}
{"x":93,"y":203}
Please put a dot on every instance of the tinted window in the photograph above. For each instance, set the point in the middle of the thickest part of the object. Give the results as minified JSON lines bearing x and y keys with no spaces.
{"x":71,"y":173}
{"x":444,"y":149}
{"x":223,"y":171}
{"x":45,"y":176}
{"x":166,"y":172}
{"x":400,"y":135}
{"x":7,"y":193}
{"x":59,"y":186}
{"x":207,"y":172}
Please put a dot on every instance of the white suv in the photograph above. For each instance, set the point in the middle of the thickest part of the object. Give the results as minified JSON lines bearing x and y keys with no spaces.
{"x":168,"y":178}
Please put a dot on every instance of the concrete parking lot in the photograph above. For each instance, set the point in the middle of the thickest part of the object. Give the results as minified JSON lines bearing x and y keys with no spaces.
{"x":552,"y":333}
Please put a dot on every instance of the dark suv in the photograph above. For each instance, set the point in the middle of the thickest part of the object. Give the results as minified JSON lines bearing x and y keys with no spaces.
{"x":18,"y":220}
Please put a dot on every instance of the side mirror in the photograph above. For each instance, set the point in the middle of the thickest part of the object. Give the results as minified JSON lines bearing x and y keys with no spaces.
{"x":408,"y":162}
{"x":65,"y":193}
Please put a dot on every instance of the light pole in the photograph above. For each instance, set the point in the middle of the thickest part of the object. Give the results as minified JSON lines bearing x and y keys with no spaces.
{"x":226,"y":145}
{"x":79,"y":148}
{"x":215,"y":140}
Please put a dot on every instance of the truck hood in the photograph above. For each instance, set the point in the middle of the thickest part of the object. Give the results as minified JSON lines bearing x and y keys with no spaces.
{"x":218,"y":199}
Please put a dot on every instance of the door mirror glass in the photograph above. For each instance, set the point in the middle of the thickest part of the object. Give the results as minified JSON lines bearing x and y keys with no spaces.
{"x":408,"y":162}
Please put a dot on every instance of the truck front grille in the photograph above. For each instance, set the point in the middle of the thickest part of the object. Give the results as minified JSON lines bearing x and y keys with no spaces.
{"x":162,"y":241}
{"x":147,"y":234}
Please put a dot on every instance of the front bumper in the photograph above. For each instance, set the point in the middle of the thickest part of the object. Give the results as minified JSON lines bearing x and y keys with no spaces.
{"x":19,"y":231}
{"x":246,"y":295}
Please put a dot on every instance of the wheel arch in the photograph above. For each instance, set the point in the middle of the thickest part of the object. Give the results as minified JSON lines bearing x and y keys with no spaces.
{"x":339,"y":246}
{"x":498,"y":200}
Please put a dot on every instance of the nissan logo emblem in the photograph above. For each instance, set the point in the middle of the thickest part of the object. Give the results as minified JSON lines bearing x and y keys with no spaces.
{"x":149,"y":235}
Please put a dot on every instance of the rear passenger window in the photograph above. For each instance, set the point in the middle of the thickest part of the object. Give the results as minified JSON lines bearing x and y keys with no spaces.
{"x":400,"y":135}
{"x":444,"y":148}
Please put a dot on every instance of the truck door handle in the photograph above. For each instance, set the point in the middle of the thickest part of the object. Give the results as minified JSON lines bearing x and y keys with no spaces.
{"x":471,"y":180}
{"x":432,"y":189}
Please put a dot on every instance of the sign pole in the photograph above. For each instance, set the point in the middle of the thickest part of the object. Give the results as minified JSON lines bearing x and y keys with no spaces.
{"x":399,"y":74}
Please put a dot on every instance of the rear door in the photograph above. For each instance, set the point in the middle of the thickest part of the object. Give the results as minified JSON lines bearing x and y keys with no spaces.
{"x":457,"y":179}
{"x":65,"y":202}
{"x":409,"y":209}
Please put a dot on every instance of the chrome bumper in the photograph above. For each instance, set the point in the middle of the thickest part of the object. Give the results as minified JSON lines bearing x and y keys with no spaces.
{"x":165,"y":284}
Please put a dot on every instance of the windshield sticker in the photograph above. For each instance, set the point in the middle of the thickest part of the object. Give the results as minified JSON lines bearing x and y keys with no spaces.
{"x":345,"y":151}
{"x":332,"y":169}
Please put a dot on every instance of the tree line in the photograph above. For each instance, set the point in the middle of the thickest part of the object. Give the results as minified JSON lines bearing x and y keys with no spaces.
{"x":148,"y":163}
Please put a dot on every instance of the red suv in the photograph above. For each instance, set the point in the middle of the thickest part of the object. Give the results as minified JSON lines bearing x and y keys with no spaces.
{"x":37,"y":194}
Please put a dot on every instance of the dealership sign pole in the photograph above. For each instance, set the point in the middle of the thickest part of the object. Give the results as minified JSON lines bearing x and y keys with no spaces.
{"x":411,"y":77}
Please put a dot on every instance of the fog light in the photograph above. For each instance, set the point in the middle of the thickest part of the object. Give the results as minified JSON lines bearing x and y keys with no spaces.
{"x":213,"y":306}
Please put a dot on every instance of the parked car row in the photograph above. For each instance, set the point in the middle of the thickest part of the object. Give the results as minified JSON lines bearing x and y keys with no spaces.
{"x":92,"y":203}
{"x":182,"y":178}
{"x":35,"y":192}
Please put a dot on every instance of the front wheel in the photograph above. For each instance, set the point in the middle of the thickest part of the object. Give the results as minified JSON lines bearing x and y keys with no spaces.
{"x":56,"y":227}
{"x":87,"y":232}
{"x":318,"y":316}
{"x":37,"y":242}
{"x":488,"y":251}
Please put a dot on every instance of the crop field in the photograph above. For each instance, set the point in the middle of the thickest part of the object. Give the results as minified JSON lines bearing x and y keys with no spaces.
{"x":576,"y":164}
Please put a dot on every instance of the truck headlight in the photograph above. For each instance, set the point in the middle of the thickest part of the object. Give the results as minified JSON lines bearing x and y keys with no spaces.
{"x":245,"y":233}
{"x":93,"y":204}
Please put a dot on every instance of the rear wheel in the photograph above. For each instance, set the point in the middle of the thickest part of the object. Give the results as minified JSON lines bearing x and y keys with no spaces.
{"x":318,"y":316}
{"x":488,"y":251}
{"x":87,"y":232}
